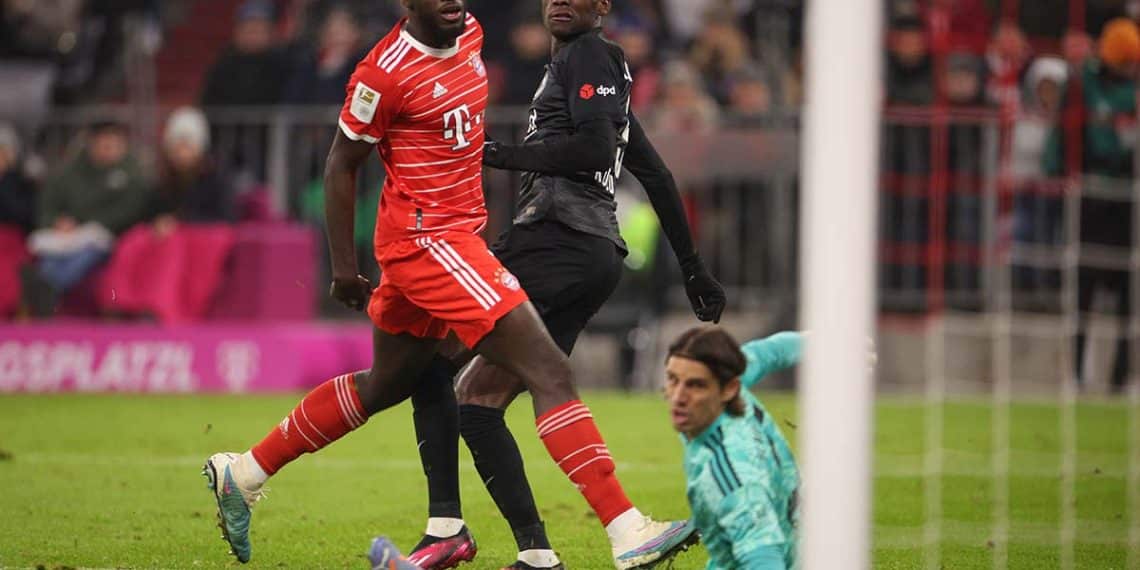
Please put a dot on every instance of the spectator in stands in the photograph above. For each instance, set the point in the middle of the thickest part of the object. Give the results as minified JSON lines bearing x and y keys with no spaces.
{"x":252,"y":70}
{"x":304,"y":20}
{"x":684,"y":105}
{"x":526,"y":62}
{"x":640,"y":54}
{"x":17,"y":211}
{"x":191,"y":188}
{"x":1109,"y":87}
{"x":685,"y":18}
{"x":1006,"y":56}
{"x":969,"y":22}
{"x":1076,"y":48}
{"x":94,"y":198}
{"x":170,"y":269}
{"x":17,"y":192}
{"x":1045,"y":84}
{"x":719,"y":51}
{"x":43,"y":29}
{"x":321,"y":74}
{"x":906,"y":148}
{"x":963,"y":87}
{"x":749,"y":93}
{"x":1037,"y":208}
{"x":910,"y":76}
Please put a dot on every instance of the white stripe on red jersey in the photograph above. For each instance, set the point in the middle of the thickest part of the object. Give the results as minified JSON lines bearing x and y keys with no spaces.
{"x":423,"y":107}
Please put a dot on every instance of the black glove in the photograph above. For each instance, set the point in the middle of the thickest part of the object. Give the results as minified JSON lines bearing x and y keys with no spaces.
{"x":705,"y":294}
{"x":493,"y":154}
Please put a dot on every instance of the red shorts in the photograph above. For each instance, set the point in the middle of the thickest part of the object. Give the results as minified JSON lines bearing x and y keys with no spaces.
{"x":446,"y":282}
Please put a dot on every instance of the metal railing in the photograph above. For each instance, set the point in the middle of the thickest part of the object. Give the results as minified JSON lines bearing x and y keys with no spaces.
{"x":740,"y":183}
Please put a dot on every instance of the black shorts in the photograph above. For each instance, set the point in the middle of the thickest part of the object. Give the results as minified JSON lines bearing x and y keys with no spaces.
{"x":567,"y":274}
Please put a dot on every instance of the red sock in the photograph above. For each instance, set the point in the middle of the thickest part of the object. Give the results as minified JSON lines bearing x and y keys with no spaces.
{"x":569,"y":433}
{"x":323,"y":416}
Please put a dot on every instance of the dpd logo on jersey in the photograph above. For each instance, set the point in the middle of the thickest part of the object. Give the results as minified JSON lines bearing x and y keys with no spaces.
{"x":586,"y":92}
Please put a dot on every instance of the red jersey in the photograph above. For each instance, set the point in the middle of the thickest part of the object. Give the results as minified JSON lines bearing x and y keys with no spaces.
{"x":423,"y":108}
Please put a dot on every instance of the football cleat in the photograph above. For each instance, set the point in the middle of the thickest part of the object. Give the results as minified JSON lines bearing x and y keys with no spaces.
{"x":234,"y":501}
{"x":383,"y":555}
{"x":660,"y":542}
{"x":434,"y":553}
{"x":520,"y":565}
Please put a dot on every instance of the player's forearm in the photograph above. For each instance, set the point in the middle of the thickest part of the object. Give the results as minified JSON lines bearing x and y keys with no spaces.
{"x":777,"y":352}
{"x":340,"y":214}
{"x":591,"y":148}
{"x":647,"y":166}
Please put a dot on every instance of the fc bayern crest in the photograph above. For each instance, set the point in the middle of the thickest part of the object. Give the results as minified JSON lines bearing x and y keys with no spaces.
{"x":507,"y":279}
{"x":476,"y":63}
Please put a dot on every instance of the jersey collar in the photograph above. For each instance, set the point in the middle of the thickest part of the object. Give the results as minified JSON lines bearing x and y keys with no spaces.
{"x":426,"y":49}
{"x":704,"y":435}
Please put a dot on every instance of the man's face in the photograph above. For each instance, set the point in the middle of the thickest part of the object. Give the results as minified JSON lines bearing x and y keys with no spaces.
{"x":254,"y":35}
{"x":444,"y":19}
{"x":695,"y":397}
{"x":1049,"y":95}
{"x":751,"y":97}
{"x":184,"y":155}
{"x":568,"y":18}
{"x":909,"y":46}
{"x":962,"y":85}
{"x":339,"y":32}
{"x":108,"y":147}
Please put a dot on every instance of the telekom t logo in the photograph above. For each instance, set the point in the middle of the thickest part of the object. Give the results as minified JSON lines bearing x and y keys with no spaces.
{"x":457,"y":123}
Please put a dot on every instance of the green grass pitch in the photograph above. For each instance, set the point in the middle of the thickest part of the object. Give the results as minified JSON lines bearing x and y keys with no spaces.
{"x":113,"y":481}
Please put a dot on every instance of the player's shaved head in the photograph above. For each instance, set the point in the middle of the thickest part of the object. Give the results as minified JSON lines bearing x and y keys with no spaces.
{"x":568,"y":18}
{"x":436,"y":22}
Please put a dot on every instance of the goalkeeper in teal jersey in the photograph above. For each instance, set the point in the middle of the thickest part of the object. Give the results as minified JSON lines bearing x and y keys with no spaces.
{"x":740,"y":475}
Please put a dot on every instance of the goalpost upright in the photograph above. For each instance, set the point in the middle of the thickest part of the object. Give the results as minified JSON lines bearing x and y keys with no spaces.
{"x":838,"y":206}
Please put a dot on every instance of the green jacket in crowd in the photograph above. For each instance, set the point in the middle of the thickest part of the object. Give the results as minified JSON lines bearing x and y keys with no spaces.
{"x":1109,"y":126}
{"x":1110,"y":114}
{"x":116,"y":197}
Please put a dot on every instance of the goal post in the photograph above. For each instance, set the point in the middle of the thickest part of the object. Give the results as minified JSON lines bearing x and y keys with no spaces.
{"x":838,"y":208}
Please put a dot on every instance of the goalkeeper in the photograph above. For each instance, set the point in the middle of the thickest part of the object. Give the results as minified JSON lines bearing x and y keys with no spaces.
{"x":741,"y":478}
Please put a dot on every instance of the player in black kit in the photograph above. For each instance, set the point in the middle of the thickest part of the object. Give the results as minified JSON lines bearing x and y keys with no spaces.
{"x":565,"y":250}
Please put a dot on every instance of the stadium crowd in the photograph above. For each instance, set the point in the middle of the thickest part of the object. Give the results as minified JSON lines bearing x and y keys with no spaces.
{"x":87,"y":216}
{"x":1042,"y":91}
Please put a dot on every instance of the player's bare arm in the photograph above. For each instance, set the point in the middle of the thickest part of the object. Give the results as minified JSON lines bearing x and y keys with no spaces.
{"x":345,"y":158}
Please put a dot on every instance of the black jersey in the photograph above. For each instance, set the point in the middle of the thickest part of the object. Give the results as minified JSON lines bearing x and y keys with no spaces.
{"x":587,"y":79}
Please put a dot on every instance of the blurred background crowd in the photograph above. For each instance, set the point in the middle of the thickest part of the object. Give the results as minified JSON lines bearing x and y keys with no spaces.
{"x":143,"y":142}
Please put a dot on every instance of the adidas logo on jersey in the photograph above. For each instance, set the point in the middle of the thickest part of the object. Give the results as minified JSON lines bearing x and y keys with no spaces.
{"x":439,"y":91}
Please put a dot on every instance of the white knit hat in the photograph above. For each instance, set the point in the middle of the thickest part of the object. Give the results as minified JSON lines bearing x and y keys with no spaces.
{"x":187,"y":124}
{"x":1051,"y":68}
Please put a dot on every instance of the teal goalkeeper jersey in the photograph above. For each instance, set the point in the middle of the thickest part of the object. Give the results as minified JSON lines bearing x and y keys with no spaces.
{"x":741,"y":477}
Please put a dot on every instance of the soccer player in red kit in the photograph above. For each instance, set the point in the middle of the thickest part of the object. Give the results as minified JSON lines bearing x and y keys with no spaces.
{"x":418,"y":98}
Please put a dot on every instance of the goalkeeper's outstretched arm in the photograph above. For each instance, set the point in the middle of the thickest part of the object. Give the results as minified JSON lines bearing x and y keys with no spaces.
{"x":765,"y":356}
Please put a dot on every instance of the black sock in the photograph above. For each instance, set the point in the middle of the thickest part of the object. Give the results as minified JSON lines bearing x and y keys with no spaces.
{"x":436,"y":416}
{"x":500,"y":465}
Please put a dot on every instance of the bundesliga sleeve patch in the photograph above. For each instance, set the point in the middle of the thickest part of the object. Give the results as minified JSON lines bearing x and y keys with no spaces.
{"x":364,"y":103}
